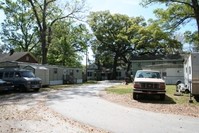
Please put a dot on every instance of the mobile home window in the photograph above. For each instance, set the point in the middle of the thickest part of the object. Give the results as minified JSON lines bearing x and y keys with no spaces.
{"x":89,"y":74}
{"x":119,"y":74}
{"x":164,"y":74}
{"x":55,"y":70}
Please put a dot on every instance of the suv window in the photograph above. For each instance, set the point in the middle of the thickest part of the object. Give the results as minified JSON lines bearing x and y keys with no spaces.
{"x":27,"y":74}
{"x":6,"y":75}
{"x":1,"y":75}
{"x":11,"y":74}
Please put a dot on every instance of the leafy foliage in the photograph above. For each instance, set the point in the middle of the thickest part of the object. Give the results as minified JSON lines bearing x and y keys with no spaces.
{"x":176,"y":13}
{"x":68,"y":43}
{"x":18,"y":29}
{"x":119,"y":38}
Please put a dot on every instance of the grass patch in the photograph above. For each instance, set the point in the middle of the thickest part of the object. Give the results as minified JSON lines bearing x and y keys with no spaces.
{"x":170,"y":91}
{"x":120,"y":89}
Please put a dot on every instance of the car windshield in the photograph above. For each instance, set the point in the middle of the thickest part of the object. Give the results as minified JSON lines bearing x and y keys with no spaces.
{"x":147,"y":74}
{"x":27,"y":74}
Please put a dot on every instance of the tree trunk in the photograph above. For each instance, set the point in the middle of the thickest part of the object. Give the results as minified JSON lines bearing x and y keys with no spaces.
{"x":114,"y":68}
{"x":196,"y":12}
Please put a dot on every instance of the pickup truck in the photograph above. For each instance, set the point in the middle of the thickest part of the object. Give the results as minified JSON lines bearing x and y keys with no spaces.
{"x":148,"y":82}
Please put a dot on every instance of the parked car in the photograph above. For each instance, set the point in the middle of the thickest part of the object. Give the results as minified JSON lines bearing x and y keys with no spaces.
{"x":6,"y":86}
{"x":148,"y":82}
{"x":23,"y":80}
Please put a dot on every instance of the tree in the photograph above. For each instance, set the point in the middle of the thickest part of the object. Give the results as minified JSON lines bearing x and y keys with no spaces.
{"x":119,"y":38}
{"x":114,"y":35}
{"x":191,"y":38}
{"x":18,"y":29}
{"x":178,"y":12}
{"x":67,"y":44}
{"x":47,"y":14}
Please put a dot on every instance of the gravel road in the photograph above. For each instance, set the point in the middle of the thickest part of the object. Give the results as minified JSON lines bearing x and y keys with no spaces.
{"x":79,"y":109}
{"x":27,"y":113}
{"x":83,"y":104}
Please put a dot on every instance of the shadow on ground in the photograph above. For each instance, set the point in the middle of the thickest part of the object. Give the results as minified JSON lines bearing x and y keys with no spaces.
{"x":156,"y":99}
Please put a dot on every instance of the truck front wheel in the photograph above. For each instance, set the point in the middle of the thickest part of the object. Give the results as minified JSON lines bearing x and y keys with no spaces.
{"x":135,"y":96}
{"x":162,"y":97}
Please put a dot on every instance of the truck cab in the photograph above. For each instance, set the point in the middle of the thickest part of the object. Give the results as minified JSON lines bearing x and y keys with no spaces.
{"x":148,"y":82}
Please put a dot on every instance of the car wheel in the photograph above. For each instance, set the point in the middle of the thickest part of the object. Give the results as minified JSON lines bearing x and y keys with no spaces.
{"x":162,"y":97}
{"x":36,"y":90}
{"x":135,"y":96}
{"x":22,"y":88}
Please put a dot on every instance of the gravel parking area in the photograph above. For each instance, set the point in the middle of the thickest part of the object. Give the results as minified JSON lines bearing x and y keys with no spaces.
{"x":27,"y":113}
{"x":126,"y":100}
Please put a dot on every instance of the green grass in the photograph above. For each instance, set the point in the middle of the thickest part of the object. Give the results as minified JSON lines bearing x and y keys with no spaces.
{"x":120,"y":89}
{"x":170,"y":91}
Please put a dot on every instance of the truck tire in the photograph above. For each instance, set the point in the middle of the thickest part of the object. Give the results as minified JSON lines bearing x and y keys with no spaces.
{"x":162,"y":97}
{"x":135,"y":96}
{"x":36,"y":90}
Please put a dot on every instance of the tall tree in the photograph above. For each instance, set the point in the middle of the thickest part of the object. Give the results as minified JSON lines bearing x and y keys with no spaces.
{"x":178,"y":12}
{"x":119,"y":37}
{"x":69,"y":41}
{"x":47,"y":13}
{"x":114,"y":34}
{"x":18,"y":29}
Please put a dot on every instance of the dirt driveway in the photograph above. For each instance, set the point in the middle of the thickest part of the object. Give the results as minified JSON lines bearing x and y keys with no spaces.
{"x":27,"y":113}
{"x":126,"y":100}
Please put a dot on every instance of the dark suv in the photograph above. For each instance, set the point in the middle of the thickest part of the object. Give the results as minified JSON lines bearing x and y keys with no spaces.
{"x":23,"y":80}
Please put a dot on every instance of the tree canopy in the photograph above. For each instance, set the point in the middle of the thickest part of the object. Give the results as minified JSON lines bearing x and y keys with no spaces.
{"x":177,"y":13}
{"x":119,"y":37}
{"x":30,"y":26}
{"x":18,"y":29}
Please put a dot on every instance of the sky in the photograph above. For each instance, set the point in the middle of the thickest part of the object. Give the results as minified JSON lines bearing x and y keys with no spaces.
{"x":128,"y":7}
{"x":132,"y":8}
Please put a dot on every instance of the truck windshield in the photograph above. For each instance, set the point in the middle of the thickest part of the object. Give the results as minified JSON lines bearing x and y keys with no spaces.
{"x":147,"y":74}
{"x":27,"y":74}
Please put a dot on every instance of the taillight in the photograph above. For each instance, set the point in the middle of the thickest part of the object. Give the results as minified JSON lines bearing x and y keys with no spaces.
{"x":137,"y":85}
{"x":162,"y":85}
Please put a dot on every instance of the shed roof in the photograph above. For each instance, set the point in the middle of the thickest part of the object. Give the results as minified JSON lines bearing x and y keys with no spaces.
{"x":14,"y":57}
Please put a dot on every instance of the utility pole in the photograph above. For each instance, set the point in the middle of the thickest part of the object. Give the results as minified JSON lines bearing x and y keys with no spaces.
{"x":86,"y":63}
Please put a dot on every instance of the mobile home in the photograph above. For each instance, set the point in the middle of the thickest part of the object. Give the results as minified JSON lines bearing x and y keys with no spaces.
{"x":191,"y":73}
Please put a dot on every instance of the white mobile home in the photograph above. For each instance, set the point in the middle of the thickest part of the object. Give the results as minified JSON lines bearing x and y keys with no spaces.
{"x":72,"y":75}
{"x":191,"y":73}
{"x":170,"y":72}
